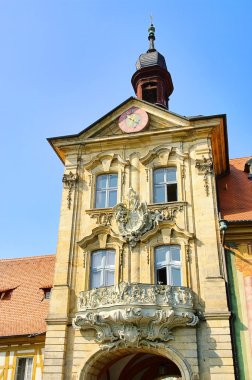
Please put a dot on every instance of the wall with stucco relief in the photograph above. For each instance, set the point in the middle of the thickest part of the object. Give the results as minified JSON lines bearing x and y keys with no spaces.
{"x":196,"y":323}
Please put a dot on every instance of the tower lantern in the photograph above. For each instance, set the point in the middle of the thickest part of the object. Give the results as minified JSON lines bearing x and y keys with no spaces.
{"x":152,"y":81}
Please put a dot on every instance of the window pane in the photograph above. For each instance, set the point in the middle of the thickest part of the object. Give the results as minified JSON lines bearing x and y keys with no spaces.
{"x":102,"y":268}
{"x":24,"y":369}
{"x":101,"y":182}
{"x":109,"y":278}
{"x":161,"y":254}
{"x":113,"y":180}
{"x":171,"y":175}
{"x":175,"y":253}
{"x":159,"y":194}
{"x":97,"y":259}
{"x":21,"y":369}
{"x":110,"y":258}
{"x":162,"y":276}
{"x":172,"y":192}
{"x":28,"y":374}
{"x":176,"y":276}
{"x":158,"y":176}
{"x":100,"y":199}
{"x":112,"y":198}
{"x":96,"y":279}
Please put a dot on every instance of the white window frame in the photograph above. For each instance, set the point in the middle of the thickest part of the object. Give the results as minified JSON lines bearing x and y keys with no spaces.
{"x":107,"y":190}
{"x":103,"y":268}
{"x":168,"y":264}
{"x":164,"y":184}
{"x":28,"y":370}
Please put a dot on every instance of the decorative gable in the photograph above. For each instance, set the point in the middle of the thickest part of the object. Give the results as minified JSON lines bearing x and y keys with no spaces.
{"x":109,"y":124}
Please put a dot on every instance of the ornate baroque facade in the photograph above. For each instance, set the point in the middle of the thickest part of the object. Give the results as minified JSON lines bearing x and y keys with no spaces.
{"x":140,"y":287}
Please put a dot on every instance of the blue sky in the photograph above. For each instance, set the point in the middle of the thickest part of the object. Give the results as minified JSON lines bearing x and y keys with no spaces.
{"x":64,"y":64}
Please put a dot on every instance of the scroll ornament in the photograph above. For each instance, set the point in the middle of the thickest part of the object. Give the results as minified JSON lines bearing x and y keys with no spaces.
{"x":136,"y":219}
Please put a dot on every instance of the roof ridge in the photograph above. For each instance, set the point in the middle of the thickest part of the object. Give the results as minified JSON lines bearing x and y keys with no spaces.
{"x":238,"y":158}
{"x":29,"y":257}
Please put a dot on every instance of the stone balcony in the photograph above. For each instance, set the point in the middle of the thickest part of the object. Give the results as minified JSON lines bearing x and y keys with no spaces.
{"x":134,"y":314}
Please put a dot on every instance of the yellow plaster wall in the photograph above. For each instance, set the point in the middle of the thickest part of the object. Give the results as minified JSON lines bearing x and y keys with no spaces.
{"x":9,"y":353}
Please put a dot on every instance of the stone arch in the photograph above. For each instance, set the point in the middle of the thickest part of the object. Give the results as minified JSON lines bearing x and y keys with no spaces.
{"x":94,"y":365}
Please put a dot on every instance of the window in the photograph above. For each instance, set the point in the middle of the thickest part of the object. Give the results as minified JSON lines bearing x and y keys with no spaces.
{"x":168,"y":265}
{"x":149,"y":92}
{"x":6,"y":295}
{"x":24,"y":369}
{"x":47,"y":293}
{"x":106,"y":190}
{"x":165,"y":185}
{"x":102,"y":268}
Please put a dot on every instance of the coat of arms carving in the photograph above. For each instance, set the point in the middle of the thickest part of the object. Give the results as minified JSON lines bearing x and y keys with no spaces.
{"x":134,"y":220}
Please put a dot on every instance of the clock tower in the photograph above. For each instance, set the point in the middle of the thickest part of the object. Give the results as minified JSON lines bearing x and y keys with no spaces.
{"x":152,"y":81}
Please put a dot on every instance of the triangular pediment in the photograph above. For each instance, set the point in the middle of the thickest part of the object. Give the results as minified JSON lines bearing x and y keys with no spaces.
{"x":109,"y":125}
{"x":106,"y":130}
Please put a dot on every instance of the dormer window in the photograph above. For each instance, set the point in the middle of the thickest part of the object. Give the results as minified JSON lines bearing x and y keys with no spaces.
{"x":248,"y":168}
{"x":106,"y":190}
{"x":6,"y":295}
{"x":47,"y":293}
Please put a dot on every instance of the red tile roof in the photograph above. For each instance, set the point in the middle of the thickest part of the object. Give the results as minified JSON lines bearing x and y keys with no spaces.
{"x":235,"y":192}
{"x":23,"y":309}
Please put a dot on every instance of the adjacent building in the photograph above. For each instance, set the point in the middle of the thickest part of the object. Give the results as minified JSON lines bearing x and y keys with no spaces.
{"x":235,"y":197}
{"x":25,"y":287}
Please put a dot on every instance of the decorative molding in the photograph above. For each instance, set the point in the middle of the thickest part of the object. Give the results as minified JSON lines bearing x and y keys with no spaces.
{"x":147,"y":171}
{"x":163,"y":153}
{"x":121,"y":256}
{"x":123,"y":175}
{"x":90,"y":180}
{"x":148,"y":254}
{"x":137,"y":219}
{"x":170,"y":233}
{"x":105,"y":159}
{"x":70,"y":181}
{"x":135,"y":314}
{"x":188,"y":253}
{"x":103,"y":218}
{"x":93,"y":238}
{"x":182,"y":168}
{"x":84,"y":259}
{"x":205,"y":167}
{"x":166,"y":212}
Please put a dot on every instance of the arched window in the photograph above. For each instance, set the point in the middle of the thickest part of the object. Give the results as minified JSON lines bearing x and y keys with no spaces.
{"x":168,"y":265}
{"x":102,"y":268}
{"x":165,"y":185}
{"x":106,"y":190}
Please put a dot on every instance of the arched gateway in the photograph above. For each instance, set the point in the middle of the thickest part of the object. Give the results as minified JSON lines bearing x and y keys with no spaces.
{"x":136,"y":364}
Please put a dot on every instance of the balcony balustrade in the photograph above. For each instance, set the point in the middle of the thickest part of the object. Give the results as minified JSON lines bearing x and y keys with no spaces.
{"x":133,"y":314}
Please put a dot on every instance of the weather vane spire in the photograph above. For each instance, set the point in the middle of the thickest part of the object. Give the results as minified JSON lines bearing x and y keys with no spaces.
{"x":151,"y":36}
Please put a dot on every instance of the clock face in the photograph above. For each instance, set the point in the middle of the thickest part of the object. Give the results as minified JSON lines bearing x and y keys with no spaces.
{"x":133,"y":120}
